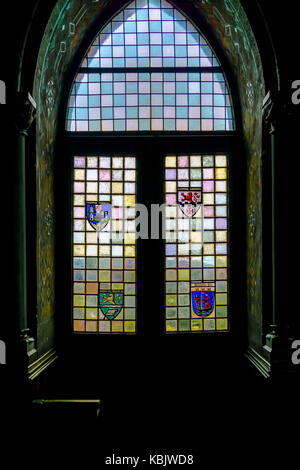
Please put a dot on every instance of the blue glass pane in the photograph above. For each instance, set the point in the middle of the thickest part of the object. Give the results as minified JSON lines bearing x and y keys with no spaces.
{"x":107,"y":113}
{"x":94,"y":101}
{"x":181,"y":112}
{"x":117,"y":39}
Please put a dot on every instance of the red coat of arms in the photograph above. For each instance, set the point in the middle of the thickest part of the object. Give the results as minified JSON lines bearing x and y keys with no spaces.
{"x":189,"y":202}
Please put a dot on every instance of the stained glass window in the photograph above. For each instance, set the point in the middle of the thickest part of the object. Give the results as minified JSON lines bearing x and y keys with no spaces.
{"x":149,"y":69}
{"x":196,"y":243}
{"x":104,"y":246}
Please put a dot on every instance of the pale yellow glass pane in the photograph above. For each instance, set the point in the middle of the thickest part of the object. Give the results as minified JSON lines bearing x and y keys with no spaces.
{"x":171,"y":325}
{"x":117,"y":175}
{"x":79,"y":250}
{"x":171,"y":187}
{"x":129,"y":326}
{"x":220,"y":160}
{"x":129,"y":200}
{"x":222,"y":324}
{"x":79,"y":300}
{"x":129,"y":238}
{"x":104,"y":286}
{"x":117,"y":200}
{"x":130,"y":175}
{"x":117,"y":188}
{"x":116,"y":225}
{"x":92,"y":162}
{"x":196,"y":324}
{"x":92,"y":250}
{"x":117,"y":326}
{"x":79,"y":287}
{"x":170,"y":162}
{"x":171,"y":300}
{"x":129,"y":276}
{"x":221,"y":299}
{"x":171,"y":275}
{"x":157,"y":124}
{"x":221,"y":261}
{"x":91,"y":326}
{"x":196,"y":237}
{"x":104,"y":250}
{"x":91,"y":198}
{"x":195,"y":161}
{"x":199,"y":215}
{"x":171,"y":211}
{"x":117,"y":286}
{"x":79,"y":200}
{"x":130,"y":162}
{"x":208,"y":249}
{"x":221,"y":186}
{"x":221,"y":173}
{"x":117,"y":162}
{"x":184,"y":249}
{"x":208,"y":199}
{"x":91,"y":187}
{"x":88,"y":226}
{"x":221,"y":236}
{"x":104,"y":276}
{"x":91,"y":313}
{"x":92,"y":237}
{"x":79,"y":175}
{"x":183,"y":274}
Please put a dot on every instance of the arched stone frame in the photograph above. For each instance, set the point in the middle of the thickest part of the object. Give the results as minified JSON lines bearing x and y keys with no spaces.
{"x":64,"y":33}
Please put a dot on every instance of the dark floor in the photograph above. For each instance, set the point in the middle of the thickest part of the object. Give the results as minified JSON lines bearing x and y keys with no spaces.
{"x":220,"y":409}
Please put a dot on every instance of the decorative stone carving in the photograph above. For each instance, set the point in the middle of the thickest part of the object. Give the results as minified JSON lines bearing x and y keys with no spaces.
{"x":50,"y":93}
{"x":251,"y":220}
{"x":250,"y":94}
{"x":48,"y":220}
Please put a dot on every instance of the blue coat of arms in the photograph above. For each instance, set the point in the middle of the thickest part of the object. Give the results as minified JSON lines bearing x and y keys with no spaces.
{"x":98,"y":215}
{"x":203,"y":302}
{"x":111,"y":303}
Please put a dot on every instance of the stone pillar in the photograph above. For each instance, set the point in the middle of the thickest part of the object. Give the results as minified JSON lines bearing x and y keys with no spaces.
{"x":277,"y":347}
{"x":22,"y":114}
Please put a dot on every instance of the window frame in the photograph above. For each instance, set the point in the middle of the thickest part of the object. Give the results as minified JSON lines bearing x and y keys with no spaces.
{"x":88,"y":143}
{"x":226,"y":144}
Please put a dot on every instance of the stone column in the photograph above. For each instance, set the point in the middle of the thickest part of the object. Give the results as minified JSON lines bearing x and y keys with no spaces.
{"x":277,"y":348}
{"x":22,"y":115}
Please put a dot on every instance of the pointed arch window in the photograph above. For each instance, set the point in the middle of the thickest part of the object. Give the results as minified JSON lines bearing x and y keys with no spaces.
{"x":150,"y":71}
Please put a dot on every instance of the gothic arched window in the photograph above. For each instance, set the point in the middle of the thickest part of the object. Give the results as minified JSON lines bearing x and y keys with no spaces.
{"x":148,"y":85}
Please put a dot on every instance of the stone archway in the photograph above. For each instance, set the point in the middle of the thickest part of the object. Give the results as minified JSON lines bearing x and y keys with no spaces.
{"x":64,"y":33}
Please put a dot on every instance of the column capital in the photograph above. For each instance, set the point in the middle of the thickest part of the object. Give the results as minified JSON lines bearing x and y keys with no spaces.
{"x":24,"y":112}
{"x":18,"y":113}
{"x":275,"y":110}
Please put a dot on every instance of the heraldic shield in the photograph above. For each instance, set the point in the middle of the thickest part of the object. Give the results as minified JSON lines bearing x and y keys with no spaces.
{"x":203,"y":299}
{"x":189,"y":202}
{"x":111,"y":303}
{"x":98,"y":215}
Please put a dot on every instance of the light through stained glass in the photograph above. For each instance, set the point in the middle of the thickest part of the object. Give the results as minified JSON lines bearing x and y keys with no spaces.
{"x":149,"y":69}
{"x":196,"y":243}
{"x":104,"y":246}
